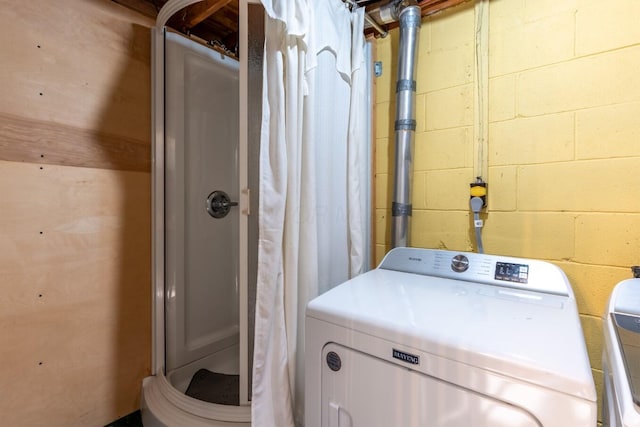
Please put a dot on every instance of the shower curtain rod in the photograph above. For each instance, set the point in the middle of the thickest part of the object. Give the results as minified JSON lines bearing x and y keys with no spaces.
{"x":383,"y":33}
{"x":352,"y":5}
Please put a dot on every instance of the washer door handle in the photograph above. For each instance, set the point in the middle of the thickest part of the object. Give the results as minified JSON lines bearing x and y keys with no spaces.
{"x":338,"y":417}
{"x":219,"y":204}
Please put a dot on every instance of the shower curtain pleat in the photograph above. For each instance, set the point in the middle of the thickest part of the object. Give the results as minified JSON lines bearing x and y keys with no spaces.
{"x":310,"y":238}
{"x":357,"y":149}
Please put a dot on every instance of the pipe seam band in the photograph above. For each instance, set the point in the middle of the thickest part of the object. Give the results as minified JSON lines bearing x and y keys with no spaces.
{"x":412,"y":25}
{"x":401,"y":209}
{"x":405,"y":124}
{"x":405,"y":85}
{"x":410,"y":20}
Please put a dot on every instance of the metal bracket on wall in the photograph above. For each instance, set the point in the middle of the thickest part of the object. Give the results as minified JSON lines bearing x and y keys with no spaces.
{"x":377,"y":68}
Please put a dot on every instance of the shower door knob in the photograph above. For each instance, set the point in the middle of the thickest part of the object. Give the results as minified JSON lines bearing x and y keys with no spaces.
{"x":219,"y":204}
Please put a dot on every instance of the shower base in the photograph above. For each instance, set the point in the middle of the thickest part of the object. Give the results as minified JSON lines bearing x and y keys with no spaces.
{"x":166,"y":404}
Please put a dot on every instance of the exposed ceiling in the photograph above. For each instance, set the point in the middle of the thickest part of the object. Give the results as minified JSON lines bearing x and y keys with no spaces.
{"x":215,"y":22}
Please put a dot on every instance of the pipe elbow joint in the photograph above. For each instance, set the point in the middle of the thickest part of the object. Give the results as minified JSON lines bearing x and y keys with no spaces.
{"x":402,"y":6}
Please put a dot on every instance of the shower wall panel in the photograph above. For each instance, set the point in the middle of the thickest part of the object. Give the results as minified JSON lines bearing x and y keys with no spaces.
{"x":201,"y":153}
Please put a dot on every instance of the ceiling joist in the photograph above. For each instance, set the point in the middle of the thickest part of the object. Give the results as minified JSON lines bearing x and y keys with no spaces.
{"x":429,"y":7}
{"x":196,"y":13}
{"x":216,"y":21}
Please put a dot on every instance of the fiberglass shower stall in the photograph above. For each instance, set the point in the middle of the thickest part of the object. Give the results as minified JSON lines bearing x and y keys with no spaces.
{"x":205,"y":238}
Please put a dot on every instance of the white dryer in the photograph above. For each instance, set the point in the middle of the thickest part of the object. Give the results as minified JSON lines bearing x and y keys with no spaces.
{"x":621,"y":358}
{"x":438,"y":338}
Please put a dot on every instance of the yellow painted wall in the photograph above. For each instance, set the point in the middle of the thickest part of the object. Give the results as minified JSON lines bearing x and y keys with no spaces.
{"x":564,"y":140}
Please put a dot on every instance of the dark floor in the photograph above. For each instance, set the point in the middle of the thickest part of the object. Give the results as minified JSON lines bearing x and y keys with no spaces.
{"x":131,"y":420}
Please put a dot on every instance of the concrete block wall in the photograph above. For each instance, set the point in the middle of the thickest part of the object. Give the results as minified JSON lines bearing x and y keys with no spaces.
{"x":564,"y":140}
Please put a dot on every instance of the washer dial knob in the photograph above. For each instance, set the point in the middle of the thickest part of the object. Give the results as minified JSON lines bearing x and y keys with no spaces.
{"x":459,"y":263}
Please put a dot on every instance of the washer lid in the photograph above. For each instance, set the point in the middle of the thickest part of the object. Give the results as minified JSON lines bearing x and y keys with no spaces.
{"x":624,"y":312}
{"x":530,"y":336}
{"x":625,"y":298}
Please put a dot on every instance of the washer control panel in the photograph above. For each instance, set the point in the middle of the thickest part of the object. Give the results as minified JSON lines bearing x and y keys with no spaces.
{"x":519,"y":273}
{"x":510,"y":272}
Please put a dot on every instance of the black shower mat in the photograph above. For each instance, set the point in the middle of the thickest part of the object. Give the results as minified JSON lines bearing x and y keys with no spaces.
{"x":215,"y":388}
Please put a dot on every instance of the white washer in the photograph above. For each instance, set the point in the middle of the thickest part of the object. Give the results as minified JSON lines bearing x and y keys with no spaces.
{"x":438,"y":338}
{"x":621,"y":358}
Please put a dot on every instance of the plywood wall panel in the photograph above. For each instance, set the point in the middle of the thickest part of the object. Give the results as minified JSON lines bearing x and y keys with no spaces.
{"x":75,"y":258}
{"x":79,"y":63}
{"x":74,"y":311}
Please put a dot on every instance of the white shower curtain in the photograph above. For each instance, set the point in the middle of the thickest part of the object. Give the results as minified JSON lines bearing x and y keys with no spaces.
{"x":312,"y":154}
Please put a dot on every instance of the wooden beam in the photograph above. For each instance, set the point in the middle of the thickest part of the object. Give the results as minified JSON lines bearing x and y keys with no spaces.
{"x":198,"y":12}
{"x":143,"y":6}
{"x":429,"y":7}
{"x":34,"y":141}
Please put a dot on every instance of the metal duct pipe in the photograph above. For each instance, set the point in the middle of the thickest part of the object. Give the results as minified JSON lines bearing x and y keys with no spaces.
{"x":409,"y":15}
